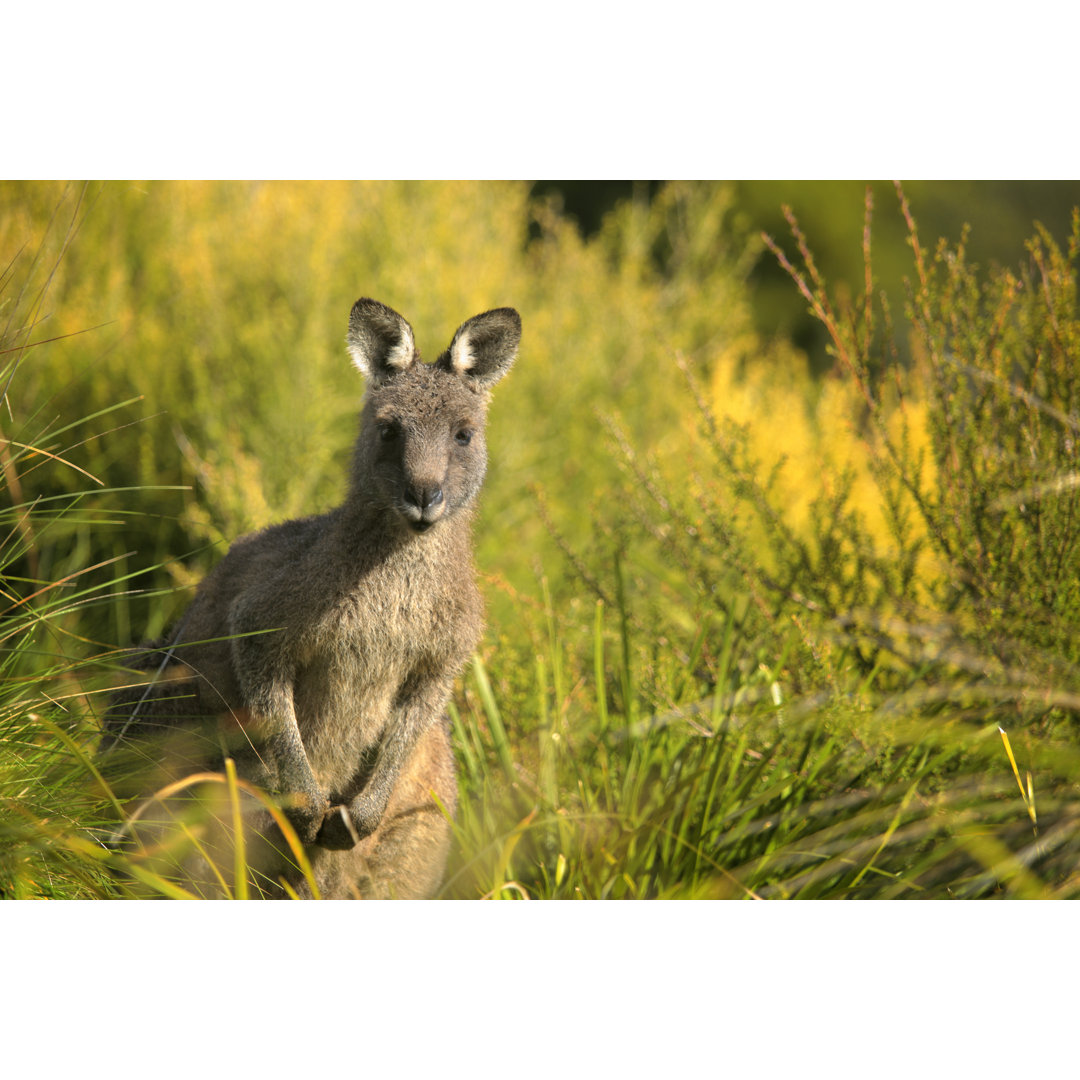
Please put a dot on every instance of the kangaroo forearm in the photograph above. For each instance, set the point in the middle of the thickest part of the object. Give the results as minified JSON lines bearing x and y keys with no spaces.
{"x":266,"y":685}
{"x":367,"y":808}
{"x":285,"y":755}
{"x":284,"y":765}
{"x":346,"y":825}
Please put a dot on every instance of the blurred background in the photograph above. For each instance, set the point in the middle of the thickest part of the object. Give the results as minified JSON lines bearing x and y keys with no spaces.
{"x":221,"y":307}
{"x":705,"y":502}
{"x":1000,"y":214}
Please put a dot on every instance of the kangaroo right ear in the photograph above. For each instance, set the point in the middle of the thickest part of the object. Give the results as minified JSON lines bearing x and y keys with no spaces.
{"x":379,"y":340}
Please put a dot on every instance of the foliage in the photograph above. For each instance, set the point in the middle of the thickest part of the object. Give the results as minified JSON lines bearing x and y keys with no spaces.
{"x":752,"y":632}
{"x":52,"y":796}
{"x":999,"y":212}
{"x":884,"y":609}
{"x":973,"y":451}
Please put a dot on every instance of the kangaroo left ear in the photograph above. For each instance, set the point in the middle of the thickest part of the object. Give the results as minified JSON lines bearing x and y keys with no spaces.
{"x":484,"y":348}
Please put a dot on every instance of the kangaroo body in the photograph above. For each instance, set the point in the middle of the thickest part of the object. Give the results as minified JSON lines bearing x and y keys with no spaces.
{"x":320,"y":653}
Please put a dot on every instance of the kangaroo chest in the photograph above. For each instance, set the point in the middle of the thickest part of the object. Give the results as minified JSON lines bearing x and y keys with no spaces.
{"x":401,"y":631}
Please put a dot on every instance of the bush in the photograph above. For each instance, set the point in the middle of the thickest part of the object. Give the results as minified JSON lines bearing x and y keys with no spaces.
{"x":873,"y":628}
{"x":751,"y":633}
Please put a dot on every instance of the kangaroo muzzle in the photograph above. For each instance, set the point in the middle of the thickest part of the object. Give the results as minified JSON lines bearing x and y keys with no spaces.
{"x":423,"y":505}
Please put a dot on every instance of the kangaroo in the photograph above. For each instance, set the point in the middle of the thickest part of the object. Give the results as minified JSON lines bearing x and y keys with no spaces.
{"x":320,"y":653}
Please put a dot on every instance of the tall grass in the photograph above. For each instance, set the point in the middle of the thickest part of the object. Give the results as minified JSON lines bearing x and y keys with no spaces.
{"x":54,"y":801}
{"x":817,"y":700}
{"x":712,"y":670}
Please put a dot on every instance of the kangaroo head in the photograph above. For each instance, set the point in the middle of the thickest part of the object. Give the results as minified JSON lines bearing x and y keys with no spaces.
{"x":421,"y":451}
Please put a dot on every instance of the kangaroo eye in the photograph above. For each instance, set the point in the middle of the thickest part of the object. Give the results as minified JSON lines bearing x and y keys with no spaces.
{"x":463,"y":437}
{"x":388,"y":431}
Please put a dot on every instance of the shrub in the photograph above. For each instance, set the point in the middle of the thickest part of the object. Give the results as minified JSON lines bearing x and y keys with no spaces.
{"x":754,"y":634}
{"x":874,"y":627}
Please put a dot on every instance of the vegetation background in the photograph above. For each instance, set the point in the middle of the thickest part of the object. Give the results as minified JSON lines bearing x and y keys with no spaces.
{"x":778,"y":539}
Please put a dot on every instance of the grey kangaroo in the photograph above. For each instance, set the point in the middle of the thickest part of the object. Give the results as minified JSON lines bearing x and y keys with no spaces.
{"x":321,"y":652}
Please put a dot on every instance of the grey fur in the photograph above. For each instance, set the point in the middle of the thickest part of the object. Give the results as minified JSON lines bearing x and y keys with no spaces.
{"x":331,"y":642}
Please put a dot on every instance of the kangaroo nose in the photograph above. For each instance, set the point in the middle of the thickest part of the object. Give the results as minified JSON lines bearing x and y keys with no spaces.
{"x":424,"y":498}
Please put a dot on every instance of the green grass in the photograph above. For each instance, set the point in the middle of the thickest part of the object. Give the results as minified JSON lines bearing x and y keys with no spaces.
{"x":684,"y":692}
{"x":740,"y":794}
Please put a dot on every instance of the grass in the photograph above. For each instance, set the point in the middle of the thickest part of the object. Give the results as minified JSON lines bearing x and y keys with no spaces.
{"x":710,"y":672}
{"x":745,"y":795}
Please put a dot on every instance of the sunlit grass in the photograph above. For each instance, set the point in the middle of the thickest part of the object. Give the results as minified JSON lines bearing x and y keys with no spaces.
{"x":750,"y":635}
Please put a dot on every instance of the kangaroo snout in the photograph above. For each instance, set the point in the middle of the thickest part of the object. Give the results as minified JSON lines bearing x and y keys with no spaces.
{"x":423,"y":505}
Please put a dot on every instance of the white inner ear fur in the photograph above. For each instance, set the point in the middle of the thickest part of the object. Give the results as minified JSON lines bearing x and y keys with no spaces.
{"x":461,"y":357}
{"x":398,"y":358}
{"x":359,"y":358}
{"x":401,"y":355}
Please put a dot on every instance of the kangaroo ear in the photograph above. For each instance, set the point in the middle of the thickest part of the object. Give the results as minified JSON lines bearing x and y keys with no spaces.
{"x":484,"y":348}
{"x":379,"y":340}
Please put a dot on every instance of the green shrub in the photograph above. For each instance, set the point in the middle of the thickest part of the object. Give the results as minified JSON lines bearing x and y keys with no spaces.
{"x":987,"y":485}
{"x":710,"y":670}
{"x":816,"y":703}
